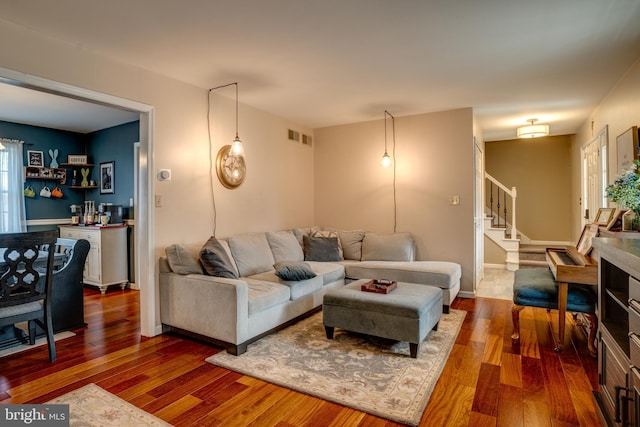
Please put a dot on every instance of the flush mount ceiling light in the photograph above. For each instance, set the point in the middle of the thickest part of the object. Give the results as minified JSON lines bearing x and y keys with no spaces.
{"x":386,"y":158}
{"x":533,"y":130}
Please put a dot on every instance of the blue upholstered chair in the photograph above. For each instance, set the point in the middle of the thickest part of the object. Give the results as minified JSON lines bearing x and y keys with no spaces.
{"x":538,"y":288}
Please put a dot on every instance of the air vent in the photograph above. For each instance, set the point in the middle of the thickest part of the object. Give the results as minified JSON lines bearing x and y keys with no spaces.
{"x":307,"y":140}
{"x":294,"y":135}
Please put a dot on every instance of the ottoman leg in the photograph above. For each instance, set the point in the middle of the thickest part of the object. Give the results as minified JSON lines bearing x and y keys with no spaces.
{"x":329,"y":331}
{"x":515,"y":316}
{"x":413,"y":349}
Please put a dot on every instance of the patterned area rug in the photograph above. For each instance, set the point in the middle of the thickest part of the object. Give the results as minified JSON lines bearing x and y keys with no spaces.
{"x":370,"y":374}
{"x":93,"y":406}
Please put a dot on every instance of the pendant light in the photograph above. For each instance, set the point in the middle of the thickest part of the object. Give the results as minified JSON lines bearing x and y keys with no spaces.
{"x":237,"y":149}
{"x":386,"y":158}
{"x":532,"y":130}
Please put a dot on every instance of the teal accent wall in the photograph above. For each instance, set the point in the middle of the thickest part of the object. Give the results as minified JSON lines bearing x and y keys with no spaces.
{"x":112,"y":144}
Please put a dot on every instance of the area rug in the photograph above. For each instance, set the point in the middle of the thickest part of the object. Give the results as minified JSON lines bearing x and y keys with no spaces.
{"x":93,"y":406}
{"x":370,"y":374}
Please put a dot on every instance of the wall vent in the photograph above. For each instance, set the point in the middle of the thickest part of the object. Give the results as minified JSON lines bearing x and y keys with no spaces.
{"x":307,"y":140}
{"x":294,"y":135}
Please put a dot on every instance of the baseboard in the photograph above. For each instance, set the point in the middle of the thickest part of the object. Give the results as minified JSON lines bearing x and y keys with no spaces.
{"x":466,"y":294}
{"x":496,"y":266}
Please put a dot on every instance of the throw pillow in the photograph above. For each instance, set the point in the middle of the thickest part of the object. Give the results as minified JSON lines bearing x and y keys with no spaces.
{"x":252,"y":253}
{"x":321,"y":248}
{"x":330,"y":233}
{"x":294,"y":270}
{"x":182,"y":261}
{"x":215,"y":261}
{"x":351,"y":242}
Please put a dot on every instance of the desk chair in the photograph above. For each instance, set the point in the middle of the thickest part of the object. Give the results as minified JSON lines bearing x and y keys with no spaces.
{"x":25,"y":283}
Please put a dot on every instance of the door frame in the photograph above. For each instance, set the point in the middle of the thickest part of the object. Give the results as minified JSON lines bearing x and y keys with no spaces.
{"x":145,"y":213}
{"x":602,"y":139}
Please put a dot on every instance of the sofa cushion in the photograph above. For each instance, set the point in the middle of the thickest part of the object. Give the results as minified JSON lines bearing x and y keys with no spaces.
{"x":265,"y":294}
{"x":351,"y":242}
{"x":215,"y":261}
{"x":387,"y":247}
{"x":300,"y":232}
{"x":294,"y":270}
{"x":329,"y":271}
{"x":252,"y":253}
{"x":321,"y":248}
{"x":443,"y":274}
{"x":182,"y":261}
{"x":284,"y":246}
{"x":297,"y":288}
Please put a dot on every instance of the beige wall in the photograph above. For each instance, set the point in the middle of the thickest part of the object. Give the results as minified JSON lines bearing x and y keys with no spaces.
{"x":540,"y":169}
{"x":619,"y":110}
{"x":278,"y":191}
{"x":434,"y":160}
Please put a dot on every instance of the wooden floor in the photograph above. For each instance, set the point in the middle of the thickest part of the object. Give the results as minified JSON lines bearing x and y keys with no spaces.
{"x":486,"y":382}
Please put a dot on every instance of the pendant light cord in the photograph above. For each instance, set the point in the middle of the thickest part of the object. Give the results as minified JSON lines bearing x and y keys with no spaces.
{"x":393,"y":151}
{"x":214,"y":225}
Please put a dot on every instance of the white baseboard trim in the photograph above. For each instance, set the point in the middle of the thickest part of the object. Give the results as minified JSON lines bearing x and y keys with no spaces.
{"x":496,"y":266}
{"x":466,"y":294}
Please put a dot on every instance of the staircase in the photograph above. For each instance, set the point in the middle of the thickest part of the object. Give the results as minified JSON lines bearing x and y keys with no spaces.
{"x":496,"y":226}
{"x":533,"y":256}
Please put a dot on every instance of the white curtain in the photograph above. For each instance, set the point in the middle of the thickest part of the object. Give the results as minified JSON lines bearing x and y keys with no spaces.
{"x":12,"y":211}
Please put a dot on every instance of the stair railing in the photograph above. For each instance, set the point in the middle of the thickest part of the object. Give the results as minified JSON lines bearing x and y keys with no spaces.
{"x":498,"y":195}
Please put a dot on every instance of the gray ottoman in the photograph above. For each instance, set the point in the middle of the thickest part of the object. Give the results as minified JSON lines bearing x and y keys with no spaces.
{"x":407,"y":313}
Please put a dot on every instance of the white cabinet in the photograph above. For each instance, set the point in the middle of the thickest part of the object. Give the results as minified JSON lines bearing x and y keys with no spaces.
{"x":107,"y":262}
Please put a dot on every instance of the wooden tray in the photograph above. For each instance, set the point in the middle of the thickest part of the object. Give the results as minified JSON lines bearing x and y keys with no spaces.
{"x":378,"y":287}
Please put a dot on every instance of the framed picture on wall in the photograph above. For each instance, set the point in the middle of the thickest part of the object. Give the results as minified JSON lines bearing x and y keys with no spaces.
{"x":35,"y":158}
{"x":107,"y":177}
{"x":627,"y":146}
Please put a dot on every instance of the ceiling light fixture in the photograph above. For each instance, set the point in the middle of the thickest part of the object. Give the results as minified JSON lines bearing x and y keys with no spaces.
{"x":386,"y":159}
{"x":533,"y":130}
{"x":236,"y":146}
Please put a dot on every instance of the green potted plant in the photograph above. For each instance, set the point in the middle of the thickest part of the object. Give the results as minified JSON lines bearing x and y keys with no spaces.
{"x":625,"y":191}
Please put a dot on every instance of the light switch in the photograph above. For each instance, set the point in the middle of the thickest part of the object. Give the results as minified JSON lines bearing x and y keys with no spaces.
{"x":455,"y":200}
{"x":158,"y":201}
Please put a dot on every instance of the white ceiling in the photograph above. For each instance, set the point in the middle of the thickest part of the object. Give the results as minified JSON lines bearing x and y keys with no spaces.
{"x":327,"y":62}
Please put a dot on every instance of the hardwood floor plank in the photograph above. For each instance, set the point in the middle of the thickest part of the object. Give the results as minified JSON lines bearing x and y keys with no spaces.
{"x":505,"y":385}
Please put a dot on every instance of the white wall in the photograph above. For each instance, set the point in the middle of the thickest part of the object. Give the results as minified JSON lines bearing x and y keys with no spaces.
{"x":434,"y":159}
{"x":277,"y":192}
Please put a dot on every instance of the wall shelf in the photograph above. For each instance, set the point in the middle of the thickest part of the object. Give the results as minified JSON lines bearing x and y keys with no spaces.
{"x":51,"y":174}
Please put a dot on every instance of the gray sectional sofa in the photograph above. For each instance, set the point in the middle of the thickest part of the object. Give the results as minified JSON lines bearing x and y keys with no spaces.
{"x":234,"y":291}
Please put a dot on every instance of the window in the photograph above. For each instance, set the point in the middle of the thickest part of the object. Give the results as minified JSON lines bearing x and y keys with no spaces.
{"x":12,"y":210}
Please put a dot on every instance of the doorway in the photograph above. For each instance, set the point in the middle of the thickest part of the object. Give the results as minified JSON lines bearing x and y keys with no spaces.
{"x":144,"y":211}
{"x":594,"y":157}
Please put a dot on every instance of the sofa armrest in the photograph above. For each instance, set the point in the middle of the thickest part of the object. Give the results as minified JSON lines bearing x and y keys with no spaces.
{"x":215,"y":307}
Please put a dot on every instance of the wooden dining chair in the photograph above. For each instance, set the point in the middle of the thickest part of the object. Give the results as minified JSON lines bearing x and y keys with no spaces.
{"x":25,"y":282}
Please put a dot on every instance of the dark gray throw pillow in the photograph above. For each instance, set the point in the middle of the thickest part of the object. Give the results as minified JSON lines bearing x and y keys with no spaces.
{"x":215,"y":261}
{"x":321,"y":248}
{"x":294,"y":270}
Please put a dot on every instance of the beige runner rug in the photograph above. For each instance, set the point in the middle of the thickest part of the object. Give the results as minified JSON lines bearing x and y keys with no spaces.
{"x":370,"y":374}
{"x":93,"y":406}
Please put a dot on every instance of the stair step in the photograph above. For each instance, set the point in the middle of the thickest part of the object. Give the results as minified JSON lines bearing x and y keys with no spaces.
{"x":529,"y":263}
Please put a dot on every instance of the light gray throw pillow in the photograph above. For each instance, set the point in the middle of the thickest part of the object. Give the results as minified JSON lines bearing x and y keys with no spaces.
{"x":182,"y":260}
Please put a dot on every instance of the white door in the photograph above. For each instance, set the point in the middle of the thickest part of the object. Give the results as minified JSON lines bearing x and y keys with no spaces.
{"x":594,"y":173}
{"x":478,"y":214}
